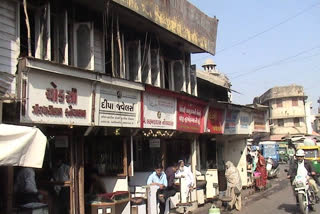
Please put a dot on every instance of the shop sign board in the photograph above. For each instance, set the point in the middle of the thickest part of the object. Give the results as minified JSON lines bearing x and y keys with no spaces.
{"x":259,"y":122}
{"x":54,"y":99}
{"x":245,"y":122}
{"x":190,"y":116}
{"x":154,"y":143}
{"x":119,"y":107}
{"x":231,"y":121}
{"x":215,"y":121}
{"x":159,"y":111}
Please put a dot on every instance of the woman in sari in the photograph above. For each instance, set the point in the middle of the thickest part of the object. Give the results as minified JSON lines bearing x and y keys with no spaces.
{"x":261,"y":168}
{"x":234,"y":185}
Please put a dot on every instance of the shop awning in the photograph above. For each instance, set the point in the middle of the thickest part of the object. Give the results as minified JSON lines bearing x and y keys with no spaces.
{"x":21,"y":146}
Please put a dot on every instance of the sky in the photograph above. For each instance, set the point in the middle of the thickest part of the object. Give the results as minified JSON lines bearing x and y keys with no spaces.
{"x":266,"y":43}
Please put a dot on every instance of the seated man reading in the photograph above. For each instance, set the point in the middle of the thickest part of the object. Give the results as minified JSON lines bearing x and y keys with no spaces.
{"x":159,"y":178}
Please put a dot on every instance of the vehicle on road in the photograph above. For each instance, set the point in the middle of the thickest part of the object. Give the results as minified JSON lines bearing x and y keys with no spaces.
{"x":283,"y":152}
{"x":306,"y":195}
{"x":270,"y":149}
{"x":273,"y":168}
{"x":312,"y":153}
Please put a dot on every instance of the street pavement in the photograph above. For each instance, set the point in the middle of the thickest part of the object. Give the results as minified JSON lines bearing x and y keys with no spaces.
{"x":278,"y":199}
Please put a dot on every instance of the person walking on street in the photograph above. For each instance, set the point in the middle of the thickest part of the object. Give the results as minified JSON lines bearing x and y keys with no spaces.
{"x":234,"y":185}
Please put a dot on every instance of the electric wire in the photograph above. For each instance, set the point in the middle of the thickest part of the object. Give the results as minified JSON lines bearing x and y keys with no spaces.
{"x":265,"y":31}
{"x":275,"y":63}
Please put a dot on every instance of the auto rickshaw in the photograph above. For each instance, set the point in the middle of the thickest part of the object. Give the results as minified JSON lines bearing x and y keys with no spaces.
{"x":312,"y":153}
{"x":270,"y":149}
{"x":283,"y":152}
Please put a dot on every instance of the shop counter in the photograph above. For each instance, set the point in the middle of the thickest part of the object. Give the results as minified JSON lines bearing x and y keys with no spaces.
{"x":110,"y":203}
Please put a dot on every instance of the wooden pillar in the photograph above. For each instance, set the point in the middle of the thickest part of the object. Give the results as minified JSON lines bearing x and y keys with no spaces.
{"x":131,"y":166}
{"x":194,"y":163}
{"x":1,"y":109}
{"x":80,"y":166}
{"x":125,"y":157}
{"x":163,"y":146}
{"x":72,"y":175}
{"x":194,"y":156}
{"x":9,"y":189}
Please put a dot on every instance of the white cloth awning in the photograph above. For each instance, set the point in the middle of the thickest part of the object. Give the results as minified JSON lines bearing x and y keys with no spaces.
{"x":21,"y":146}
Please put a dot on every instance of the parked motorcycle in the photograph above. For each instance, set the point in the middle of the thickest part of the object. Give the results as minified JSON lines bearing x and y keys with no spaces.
{"x":306,"y":195}
{"x":272,"y":168}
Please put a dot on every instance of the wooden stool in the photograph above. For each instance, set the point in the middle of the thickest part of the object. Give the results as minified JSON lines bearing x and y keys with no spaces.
{"x":185,"y":206}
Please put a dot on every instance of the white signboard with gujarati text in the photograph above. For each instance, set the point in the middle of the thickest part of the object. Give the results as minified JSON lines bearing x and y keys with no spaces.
{"x":56,"y":99}
{"x":159,"y":111}
{"x":119,"y":107}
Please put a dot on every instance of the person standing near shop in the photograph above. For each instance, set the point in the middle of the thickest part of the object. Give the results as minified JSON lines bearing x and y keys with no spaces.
{"x":25,"y":186}
{"x":61,"y":174}
{"x":159,"y":179}
{"x":261,"y":168}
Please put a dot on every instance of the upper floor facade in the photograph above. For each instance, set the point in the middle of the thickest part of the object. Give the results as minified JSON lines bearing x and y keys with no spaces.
{"x":142,"y":41}
{"x":287,"y":109}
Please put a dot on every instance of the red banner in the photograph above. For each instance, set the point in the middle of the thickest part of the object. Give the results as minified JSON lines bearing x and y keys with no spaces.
{"x":215,"y":121}
{"x":190,"y":116}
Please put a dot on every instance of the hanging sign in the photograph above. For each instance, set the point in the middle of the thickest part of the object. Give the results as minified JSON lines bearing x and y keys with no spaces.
{"x":159,"y":111}
{"x":190,"y":116}
{"x":231,"y":121}
{"x":56,"y":99}
{"x":215,"y":121}
{"x":119,"y":107}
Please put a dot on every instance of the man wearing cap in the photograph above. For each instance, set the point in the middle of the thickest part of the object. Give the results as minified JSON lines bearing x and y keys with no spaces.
{"x":303,"y":168}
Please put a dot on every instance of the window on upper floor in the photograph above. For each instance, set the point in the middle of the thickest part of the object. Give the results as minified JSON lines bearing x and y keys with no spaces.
{"x":133,"y":61}
{"x":177,"y":67}
{"x":63,"y":36}
{"x":296,"y":122}
{"x":279,"y":103}
{"x":295,"y":101}
{"x":280,"y":122}
{"x":83,"y":45}
{"x":193,"y":80}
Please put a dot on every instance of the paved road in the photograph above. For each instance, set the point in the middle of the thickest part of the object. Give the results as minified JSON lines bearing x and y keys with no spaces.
{"x":278,"y":199}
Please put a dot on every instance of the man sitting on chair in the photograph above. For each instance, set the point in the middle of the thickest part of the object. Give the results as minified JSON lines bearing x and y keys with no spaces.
{"x":159,"y":179}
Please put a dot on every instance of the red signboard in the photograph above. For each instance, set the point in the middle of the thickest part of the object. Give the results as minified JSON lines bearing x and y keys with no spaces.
{"x":215,"y":121}
{"x":190,"y":116}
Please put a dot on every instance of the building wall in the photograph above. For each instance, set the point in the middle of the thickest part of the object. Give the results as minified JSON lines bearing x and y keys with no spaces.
{"x":309,"y":118}
{"x":289,"y":127}
{"x":317,"y":124}
{"x":287,"y":110}
{"x":281,"y":92}
{"x":9,"y":45}
{"x":288,"y":115}
{"x":234,"y":150}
